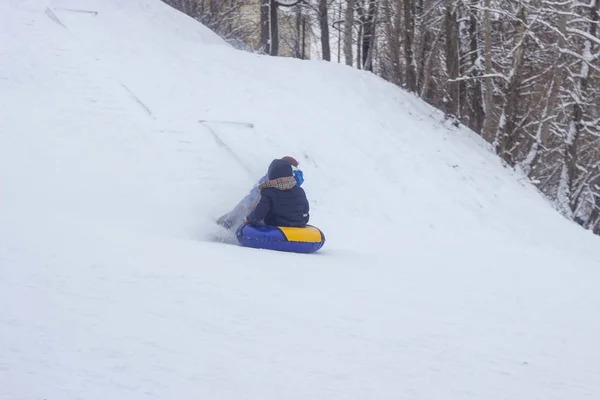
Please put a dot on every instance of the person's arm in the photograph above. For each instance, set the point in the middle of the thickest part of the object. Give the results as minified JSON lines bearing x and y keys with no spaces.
{"x":261,"y":210}
{"x":306,"y":209}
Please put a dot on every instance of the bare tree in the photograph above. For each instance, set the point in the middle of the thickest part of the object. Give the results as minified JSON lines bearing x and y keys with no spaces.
{"x":269,"y":22}
{"x":507,"y":135}
{"x":487,"y":55}
{"x":452,"y":59}
{"x":392,"y":65}
{"x":324,"y":26}
{"x":476,"y":112}
{"x":348,"y":30}
{"x":409,"y":38}
{"x":367,"y":12}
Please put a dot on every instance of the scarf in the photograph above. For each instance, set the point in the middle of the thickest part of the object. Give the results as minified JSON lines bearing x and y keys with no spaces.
{"x":285,"y":183}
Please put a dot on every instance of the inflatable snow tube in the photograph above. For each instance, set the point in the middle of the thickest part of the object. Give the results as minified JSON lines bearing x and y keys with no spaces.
{"x":295,"y":240}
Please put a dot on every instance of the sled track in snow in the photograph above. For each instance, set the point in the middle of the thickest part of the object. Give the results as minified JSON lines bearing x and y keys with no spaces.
{"x":224,"y":146}
{"x":53,"y":17}
{"x":138,"y":101}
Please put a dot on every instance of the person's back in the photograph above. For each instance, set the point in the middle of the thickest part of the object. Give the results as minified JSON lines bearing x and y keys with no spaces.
{"x":288,"y":207}
{"x":235,"y":217}
{"x":282,"y":202}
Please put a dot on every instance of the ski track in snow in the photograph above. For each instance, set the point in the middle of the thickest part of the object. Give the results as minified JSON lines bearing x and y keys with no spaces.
{"x":444,"y":275}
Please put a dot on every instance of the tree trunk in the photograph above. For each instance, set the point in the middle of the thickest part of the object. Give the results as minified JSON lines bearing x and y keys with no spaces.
{"x":452,"y":60}
{"x":348,"y":30}
{"x":359,"y":40}
{"x":299,"y":34}
{"x":556,"y":81}
{"x":489,"y":94}
{"x":477,"y":113}
{"x":324,"y":25}
{"x":392,"y":24}
{"x":424,"y":47}
{"x":212,"y":6}
{"x":269,"y":27}
{"x":274,"y":29}
{"x":368,"y":36}
{"x":571,"y":153}
{"x":304,"y":23}
{"x":409,"y":36}
{"x":426,"y":92}
{"x":265,"y":44}
{"x":508,"y":134}
{"x":594,"y":16}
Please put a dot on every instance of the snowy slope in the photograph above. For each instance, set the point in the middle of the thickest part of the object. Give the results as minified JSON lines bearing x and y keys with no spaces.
{"x":444,"y":275}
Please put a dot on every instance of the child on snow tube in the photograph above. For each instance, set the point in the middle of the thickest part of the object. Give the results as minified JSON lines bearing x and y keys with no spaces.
{"x":235,"y":217}
{"x":282,"y":202}
{"x":280,"y":219}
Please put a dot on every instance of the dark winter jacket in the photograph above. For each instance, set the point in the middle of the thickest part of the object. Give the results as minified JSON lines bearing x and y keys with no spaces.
{"x":282,"y":202}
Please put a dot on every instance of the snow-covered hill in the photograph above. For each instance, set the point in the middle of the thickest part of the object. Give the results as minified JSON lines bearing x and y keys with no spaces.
{"x":444,"y":276}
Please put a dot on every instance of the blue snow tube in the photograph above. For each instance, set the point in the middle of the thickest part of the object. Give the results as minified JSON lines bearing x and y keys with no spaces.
{"x":296,"y":240}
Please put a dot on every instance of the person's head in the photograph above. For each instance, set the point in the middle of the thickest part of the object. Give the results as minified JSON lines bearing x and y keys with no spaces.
{"x":279,"y":169}
{"x":297,"y":173}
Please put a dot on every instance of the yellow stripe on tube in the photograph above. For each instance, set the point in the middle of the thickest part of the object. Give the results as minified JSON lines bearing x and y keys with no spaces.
{"x":308,"y":234}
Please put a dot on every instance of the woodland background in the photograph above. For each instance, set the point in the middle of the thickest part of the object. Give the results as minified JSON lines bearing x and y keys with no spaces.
{"x":525,"y":75}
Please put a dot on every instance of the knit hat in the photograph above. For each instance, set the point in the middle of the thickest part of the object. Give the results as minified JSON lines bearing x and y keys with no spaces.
{"x":279,"y":169}
{"x":291,"y":160}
